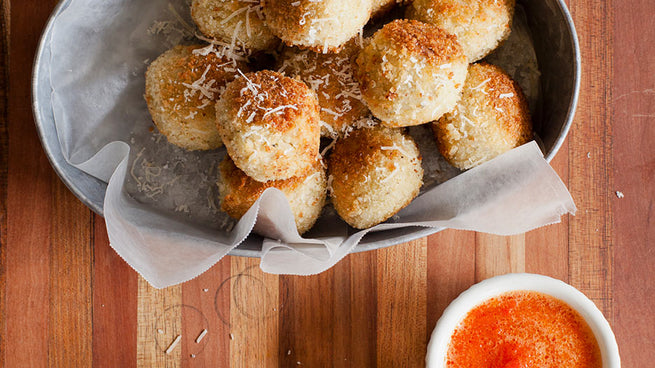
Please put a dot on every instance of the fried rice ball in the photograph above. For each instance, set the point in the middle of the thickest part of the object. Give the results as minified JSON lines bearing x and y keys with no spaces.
{"x":411,"y":73}
{"x":270,"y":125}
{"x":306,"y":194}
{"x":331,"y":77}
{"x":181,"y":90}
{"x":491,"y":118}
{"x":241,"y":21}
{"x":323,"y":26}
{"x":480,"y":25}
{"x":373,"y":174}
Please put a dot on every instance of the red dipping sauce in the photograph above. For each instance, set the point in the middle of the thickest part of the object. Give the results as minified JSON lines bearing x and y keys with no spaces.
{"x":523,"y":329}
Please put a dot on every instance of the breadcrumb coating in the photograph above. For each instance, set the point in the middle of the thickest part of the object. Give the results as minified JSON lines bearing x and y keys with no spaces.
{"x":491,"y":118}
{"x":306,"y":194}
{"x":182,"y":87}
{"x":480,"y":25}
{"x":373,"y":174}
{"x":331,"y":77}
{"x":270,"y":125}
{"x":238,"y":21}
{"x":411,"y":73}
{"x":323,"y":26}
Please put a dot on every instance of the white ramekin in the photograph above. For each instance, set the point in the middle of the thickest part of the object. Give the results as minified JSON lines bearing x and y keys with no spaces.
{"x":482,"y":291}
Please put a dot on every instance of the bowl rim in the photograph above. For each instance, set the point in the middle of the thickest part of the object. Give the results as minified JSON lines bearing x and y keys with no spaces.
{"x":492,"y":287}
{"x":577,"y":76}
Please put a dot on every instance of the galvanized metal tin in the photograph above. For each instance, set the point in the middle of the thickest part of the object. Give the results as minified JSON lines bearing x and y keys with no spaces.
{"x":558,"y":54}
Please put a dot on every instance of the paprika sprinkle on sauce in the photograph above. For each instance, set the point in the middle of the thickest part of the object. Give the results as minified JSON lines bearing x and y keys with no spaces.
{"x":523,"y":329}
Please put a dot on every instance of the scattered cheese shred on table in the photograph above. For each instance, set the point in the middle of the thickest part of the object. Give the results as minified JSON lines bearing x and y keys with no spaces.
{"x":201,"y":336}
{"x":173,"y":344}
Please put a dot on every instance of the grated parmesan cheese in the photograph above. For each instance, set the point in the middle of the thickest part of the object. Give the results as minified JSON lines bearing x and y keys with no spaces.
{"x":395,"y":147}
{"x":173,"y":344}
{"x":201,"y":336}
{"x":204,"y":87}
{"x":279,"y":109}
{"x":234,"y":14}
{"x":479,"y":86}
{"x":329,"y":147}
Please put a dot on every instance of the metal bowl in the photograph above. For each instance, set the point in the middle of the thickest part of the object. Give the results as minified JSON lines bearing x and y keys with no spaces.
{"x":558,"y":55}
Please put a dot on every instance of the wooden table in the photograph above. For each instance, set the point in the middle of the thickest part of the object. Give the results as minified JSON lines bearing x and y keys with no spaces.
{"x":67,"y":299}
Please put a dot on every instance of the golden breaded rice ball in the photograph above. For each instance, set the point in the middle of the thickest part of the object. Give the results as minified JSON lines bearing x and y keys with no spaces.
{"x":480,"y":25}
{"x":411,"y":73}
{"x":181,"y":90}
{"x":270,"y":125}
{"x":306,"y":194}
{"x":491,"y":118}
{"x":236,"y":22}
{"x":331,"y":77}
{"x":323,"y":25}
{"x":373,"y":174}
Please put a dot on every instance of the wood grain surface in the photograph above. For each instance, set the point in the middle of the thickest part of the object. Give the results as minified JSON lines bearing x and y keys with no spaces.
{"x":67,"y":299}
{"x":633,"y":115}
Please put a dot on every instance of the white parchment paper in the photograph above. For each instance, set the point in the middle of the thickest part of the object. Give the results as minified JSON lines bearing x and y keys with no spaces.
{"x":161,"y":204}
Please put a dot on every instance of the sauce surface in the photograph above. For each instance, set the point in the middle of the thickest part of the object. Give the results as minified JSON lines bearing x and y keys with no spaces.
{"x":523,"y":329}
